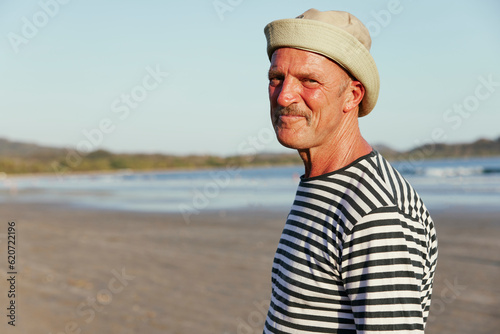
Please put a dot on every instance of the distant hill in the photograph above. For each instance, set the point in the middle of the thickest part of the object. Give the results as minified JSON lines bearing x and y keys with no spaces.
{"x":478,"y":148}
{"x":26,"y":150}
{"x":17,"y":157}
{"x":386,"y":151}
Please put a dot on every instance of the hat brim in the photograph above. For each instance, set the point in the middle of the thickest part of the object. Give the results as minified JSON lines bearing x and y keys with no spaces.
{"x":331,"y":42}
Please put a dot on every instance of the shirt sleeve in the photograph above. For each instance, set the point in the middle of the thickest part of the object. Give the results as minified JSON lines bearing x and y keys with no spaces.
{"x":382,"y":268}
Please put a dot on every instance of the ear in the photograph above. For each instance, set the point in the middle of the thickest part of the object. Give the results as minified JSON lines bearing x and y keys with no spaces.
{"x":354,"y":94}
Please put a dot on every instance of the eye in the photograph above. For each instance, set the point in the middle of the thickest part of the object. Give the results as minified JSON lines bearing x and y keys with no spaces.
{"x":275,"y":81}
{"x":310,"y":83}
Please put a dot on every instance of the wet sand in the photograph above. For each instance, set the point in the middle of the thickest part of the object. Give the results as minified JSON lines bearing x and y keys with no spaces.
{"x":82,"y":271}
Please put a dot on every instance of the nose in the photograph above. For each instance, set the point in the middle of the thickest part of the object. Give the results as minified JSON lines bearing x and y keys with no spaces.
{"x":287,"y":93}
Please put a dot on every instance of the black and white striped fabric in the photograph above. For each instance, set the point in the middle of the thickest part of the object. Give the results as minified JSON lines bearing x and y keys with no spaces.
{"x":357,"y":255}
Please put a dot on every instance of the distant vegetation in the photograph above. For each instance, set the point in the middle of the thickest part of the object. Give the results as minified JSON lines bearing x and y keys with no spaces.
{"x":17,"y":158}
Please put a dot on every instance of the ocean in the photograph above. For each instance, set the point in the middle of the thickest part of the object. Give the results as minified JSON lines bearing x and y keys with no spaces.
{"x":470,"y":183}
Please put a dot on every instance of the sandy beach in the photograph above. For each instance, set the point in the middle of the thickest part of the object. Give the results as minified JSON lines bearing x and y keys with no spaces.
{"x":81,"y":271}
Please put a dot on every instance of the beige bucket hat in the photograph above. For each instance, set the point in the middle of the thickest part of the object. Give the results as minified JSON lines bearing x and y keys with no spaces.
{"x":337,"y":35}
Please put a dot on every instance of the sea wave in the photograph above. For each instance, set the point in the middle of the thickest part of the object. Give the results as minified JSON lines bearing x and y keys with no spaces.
{"x":457,"y":171}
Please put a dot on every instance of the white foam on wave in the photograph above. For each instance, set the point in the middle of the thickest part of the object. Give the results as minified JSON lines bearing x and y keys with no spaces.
{"x":451,"y":171}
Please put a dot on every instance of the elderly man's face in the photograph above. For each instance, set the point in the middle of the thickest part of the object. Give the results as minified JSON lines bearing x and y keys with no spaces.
{"x":307,"y":95}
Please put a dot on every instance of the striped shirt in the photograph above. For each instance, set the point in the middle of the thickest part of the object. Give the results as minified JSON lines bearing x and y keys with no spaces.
{"x":357,"y":255}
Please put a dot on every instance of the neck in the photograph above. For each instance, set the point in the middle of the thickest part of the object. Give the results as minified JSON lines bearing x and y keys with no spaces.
{"x":344,"y":148}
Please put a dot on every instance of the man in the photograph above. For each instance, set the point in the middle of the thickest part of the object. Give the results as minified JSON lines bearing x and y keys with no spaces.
{"x":358,"y":251}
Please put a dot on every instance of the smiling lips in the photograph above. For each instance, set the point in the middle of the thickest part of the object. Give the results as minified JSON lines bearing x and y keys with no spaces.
{"x":291,"y":121}
{"x":290,"y":118}
{"x":290,"y":115}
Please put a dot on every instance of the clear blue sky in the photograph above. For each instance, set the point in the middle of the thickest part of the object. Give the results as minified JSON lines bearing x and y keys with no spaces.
{"x":66,"y":68}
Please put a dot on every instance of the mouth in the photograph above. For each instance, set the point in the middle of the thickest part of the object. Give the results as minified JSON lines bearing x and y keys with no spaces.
{"x":290,"y":118}
{"x":290,"y":115}
{"x":289,"y":121}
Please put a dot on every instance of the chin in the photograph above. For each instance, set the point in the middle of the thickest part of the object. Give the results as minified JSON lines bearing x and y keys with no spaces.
{"x":292,"y":143}
{"x":292,"y":138}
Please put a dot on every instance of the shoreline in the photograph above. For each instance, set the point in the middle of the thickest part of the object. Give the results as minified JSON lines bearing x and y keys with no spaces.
{"x":6,"y":176}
